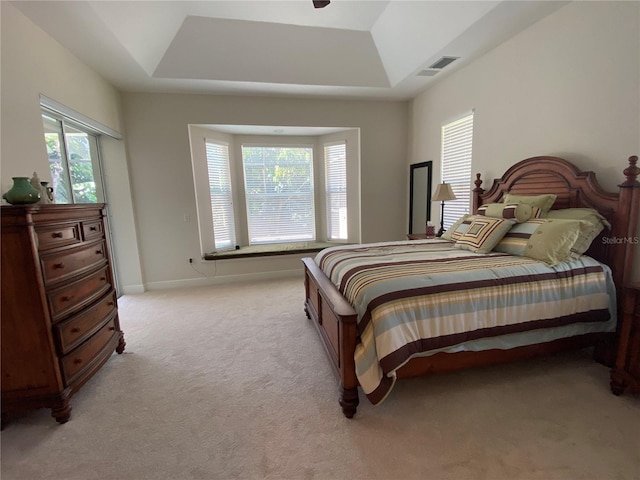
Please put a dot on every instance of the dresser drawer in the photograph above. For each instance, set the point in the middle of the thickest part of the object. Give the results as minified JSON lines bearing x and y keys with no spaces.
{"x":72,"y":332}
{"x":73,"y":296}
{"x":92,"y":230}
{"x":64,"y":264}
{"x":58,"y":236}
{"x":74,"y":363}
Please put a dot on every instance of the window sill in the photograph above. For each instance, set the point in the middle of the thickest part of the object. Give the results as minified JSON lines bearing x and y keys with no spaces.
{"x":269,"y":250}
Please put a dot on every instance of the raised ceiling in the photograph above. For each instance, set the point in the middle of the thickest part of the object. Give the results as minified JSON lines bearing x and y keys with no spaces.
{"x":355,"y":49}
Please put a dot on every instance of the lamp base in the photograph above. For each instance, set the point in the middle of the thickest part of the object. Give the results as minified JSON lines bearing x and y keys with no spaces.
{"x":441,"y":231}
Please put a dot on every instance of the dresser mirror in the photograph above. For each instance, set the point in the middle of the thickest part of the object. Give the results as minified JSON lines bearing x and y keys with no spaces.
{"x":419,"y":196}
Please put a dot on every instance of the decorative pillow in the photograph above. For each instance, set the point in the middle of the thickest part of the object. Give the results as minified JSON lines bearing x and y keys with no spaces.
{"x":543,"y":202}
{"x":588,"y":214}
{"x":483,"y":234}
{"x":520,"y":212}
{"x":456,"y":229}
{"x":586,"y":237}
{"x":549,"y":240}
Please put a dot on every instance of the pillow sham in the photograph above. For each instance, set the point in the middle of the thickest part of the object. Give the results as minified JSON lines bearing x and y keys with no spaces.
{"x":586,"y":237}
{"x":520,"y":212}
{"x":457,"y":228}
{"x":543,"y":202}
{"x":588,"y":214}
{"x":483,"y":234}
{"x":549,"y":240}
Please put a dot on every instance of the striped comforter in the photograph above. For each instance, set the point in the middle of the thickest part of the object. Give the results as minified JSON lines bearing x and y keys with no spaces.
{"x":413,"y":297}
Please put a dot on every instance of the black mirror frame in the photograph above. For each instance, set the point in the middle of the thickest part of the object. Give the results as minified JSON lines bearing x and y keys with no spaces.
{"x":412,"y":168}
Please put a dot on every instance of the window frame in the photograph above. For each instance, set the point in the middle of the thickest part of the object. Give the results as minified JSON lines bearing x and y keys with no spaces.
{"x":458,"y":175}
{"x":232,"y":230}
{"x":241,"y":166}
{"x":67,"y":123}
{"x":237,"y":135}
{"x":328,"y":192}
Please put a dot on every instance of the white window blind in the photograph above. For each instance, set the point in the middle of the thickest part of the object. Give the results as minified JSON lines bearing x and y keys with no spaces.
{"x":279,"y":193}
{"x":335,"y":167}
{"x":456,"y":166}
{"x":224,"y":232}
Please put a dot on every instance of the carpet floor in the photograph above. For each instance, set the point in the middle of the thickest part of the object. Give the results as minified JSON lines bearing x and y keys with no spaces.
{"x":231,"y":382}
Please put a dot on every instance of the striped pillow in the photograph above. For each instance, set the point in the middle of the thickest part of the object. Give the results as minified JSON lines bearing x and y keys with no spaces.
{"x":520,"y":212}
{"x":483,"y":234}
{"x":516,"y":239}
{"x":458,"y":228}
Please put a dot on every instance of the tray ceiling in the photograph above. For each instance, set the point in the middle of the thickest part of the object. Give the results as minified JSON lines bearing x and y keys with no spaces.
{"x":355,"y":49}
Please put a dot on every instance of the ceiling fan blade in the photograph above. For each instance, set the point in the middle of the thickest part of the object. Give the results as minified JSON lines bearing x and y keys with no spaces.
{"x":321,"y":3}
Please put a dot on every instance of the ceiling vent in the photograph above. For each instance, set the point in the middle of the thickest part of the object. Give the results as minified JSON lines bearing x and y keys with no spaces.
{"x":443,"y":62}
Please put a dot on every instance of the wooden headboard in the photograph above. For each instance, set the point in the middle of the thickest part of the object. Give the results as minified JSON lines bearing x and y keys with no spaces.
{"x":577,"y":189}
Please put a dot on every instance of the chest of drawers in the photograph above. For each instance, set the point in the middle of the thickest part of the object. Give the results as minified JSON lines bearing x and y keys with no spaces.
{"x":627,"y":370}
{"x":59,"y":309}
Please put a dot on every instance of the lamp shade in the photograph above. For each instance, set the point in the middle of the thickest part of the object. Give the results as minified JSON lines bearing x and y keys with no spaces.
{"x":443,"y":193}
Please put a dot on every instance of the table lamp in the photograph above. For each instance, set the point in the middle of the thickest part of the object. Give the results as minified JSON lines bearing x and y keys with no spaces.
{"x":443,"y":193}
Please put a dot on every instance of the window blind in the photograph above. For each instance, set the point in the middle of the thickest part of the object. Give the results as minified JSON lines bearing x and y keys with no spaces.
{"x":224,"y":232}
{"x":457,"y":140}
{"x":335,"y":167}
{"x":279,"y":193}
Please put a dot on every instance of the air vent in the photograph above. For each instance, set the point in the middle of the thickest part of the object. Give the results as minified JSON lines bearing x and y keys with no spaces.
{"x":427,"y":73}
{"x":443,"y":62}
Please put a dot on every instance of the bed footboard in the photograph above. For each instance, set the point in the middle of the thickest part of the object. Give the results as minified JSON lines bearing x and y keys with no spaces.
{"x":335,"y":321}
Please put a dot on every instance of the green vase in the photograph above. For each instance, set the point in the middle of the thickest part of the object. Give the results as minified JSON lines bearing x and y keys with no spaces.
{"x":21,"y":192}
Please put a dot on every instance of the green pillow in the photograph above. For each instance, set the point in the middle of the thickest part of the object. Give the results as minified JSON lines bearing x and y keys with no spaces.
{"x":520,"y":212}
{"x":549,"y":240}
{"x":543,"y":202}
{"x":586,"y":237}
{"x":483,"y":234}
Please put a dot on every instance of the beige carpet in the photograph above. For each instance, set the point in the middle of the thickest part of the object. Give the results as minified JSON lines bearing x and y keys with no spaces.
{"x":227,"y":382}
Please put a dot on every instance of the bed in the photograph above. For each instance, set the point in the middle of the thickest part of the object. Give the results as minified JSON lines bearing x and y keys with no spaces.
{"x":340,"y":307}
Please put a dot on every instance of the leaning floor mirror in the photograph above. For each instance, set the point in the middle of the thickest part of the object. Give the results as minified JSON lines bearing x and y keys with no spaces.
{"x":419,"y":196}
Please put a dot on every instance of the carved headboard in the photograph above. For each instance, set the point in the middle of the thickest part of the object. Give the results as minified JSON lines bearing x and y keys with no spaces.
{"x":577,"y":189}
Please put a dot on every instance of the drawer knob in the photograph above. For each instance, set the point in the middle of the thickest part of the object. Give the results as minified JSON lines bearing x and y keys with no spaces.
{"x":93,"y":229}
{"x":110,"y":304}
{"x":112,"y":328}
{"x":67,"y":298}
{"x":58,"y":265}
{"x":103,"y":279}
{"x":56,"y":234}
{"x":98,"y":252}
{"x":77,"y":361}
{"x":75,"y":330}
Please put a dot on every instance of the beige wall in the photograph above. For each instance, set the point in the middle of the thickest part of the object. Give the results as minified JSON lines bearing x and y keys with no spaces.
{"x":34,"y":64}
{"x":568,"y":86}
{"x":162,"y":178}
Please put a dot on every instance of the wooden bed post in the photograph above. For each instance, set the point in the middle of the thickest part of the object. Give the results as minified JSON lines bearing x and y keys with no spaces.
{"x":477,"y":194}
{"x":629,"y":201}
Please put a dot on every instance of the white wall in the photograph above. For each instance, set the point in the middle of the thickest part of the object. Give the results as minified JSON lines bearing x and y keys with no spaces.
{"x":568,"y":86}
{"x":33,"y":64}
{"x":157,"y":127}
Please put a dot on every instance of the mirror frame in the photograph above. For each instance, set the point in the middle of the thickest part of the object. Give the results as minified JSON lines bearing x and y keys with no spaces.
{"x":413,"y":173}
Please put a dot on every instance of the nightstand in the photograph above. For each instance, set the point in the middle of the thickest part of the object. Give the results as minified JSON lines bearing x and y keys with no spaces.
{"x":419,"y":236}
{"x":627,"y":370}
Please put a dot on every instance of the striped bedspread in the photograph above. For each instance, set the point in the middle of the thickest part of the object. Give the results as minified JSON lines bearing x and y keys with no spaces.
{"x":413,"y":297}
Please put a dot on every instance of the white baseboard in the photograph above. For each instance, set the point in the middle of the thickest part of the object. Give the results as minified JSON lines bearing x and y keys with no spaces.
{"x":132,"y":289}
{"x":199,"y":282}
